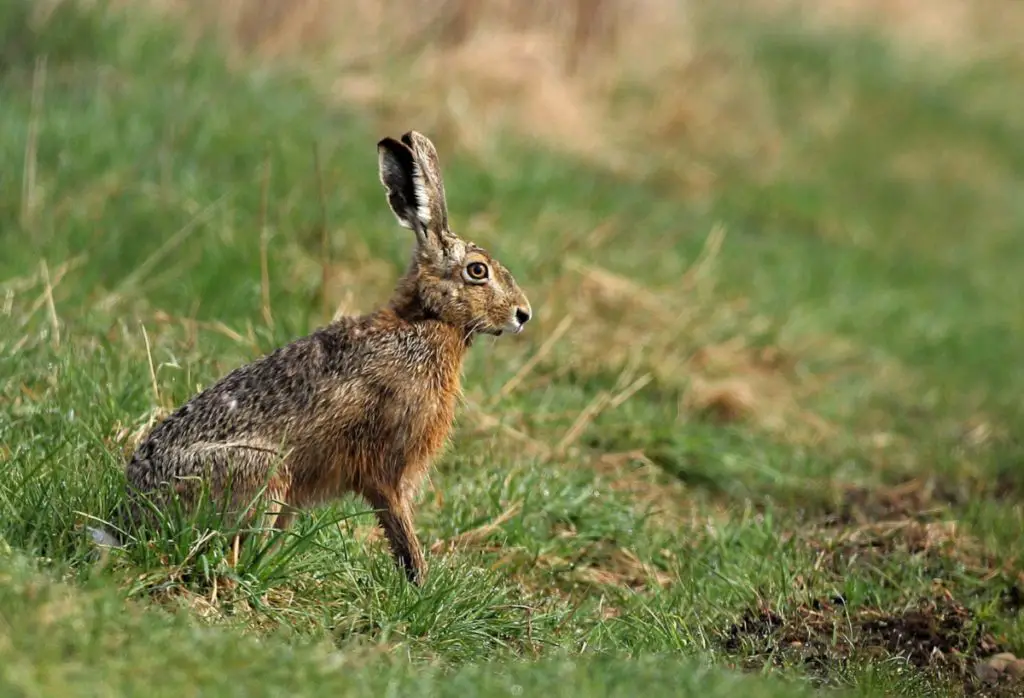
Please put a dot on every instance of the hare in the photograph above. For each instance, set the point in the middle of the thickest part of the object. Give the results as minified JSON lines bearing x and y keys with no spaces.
{"x":361,"y":405}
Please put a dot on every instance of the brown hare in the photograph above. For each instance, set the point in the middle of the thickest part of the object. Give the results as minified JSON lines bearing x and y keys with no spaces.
{"x":361,"y":405}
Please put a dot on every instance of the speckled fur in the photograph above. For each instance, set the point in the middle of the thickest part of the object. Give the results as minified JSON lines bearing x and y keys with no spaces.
{"x":362,"y":405}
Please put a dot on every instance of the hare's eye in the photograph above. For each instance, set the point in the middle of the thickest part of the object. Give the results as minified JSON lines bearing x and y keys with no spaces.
{"x":476,"y":271}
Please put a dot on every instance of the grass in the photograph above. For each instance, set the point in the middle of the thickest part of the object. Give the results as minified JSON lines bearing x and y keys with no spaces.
{"x":773,"y":428}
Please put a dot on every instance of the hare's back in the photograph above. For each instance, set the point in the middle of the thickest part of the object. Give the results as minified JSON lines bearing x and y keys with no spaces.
{"x":268,"y":397}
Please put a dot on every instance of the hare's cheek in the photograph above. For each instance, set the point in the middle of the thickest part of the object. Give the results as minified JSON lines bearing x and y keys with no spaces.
{"x":480,"y":302}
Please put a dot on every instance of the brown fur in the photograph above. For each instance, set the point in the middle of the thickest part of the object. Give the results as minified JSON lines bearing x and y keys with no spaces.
{"x":362,"y":405}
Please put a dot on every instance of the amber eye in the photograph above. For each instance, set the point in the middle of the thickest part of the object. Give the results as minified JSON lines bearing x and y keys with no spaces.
{"x":476,"y":271}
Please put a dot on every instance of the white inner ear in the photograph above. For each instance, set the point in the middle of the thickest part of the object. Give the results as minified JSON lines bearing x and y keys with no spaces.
{"x":422,"y":199}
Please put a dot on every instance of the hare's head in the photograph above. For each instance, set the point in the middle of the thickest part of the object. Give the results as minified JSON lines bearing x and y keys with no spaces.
{"x":450,"y":279}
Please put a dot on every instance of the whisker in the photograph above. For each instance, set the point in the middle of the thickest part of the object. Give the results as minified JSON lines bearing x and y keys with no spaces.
{"x":472,"y":327}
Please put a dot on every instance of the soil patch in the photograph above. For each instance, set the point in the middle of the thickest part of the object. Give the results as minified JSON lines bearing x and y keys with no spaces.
{"x":938,"y":634}
{"x":918,"y":499}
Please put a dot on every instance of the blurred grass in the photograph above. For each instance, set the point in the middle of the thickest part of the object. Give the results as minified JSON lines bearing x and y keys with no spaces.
{"x":796,"y":386}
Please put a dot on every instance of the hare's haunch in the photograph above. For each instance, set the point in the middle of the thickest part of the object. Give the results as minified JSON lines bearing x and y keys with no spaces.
{"x":362,"y":405}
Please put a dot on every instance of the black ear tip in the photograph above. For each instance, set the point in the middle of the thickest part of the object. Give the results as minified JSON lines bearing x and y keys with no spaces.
{"x":407,"y":138}
{"x":403,"y":151}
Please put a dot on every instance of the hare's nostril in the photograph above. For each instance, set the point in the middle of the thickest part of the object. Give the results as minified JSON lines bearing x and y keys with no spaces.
{"x":522,"y":316}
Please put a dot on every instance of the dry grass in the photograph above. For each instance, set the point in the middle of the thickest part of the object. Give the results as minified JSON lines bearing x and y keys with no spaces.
{"x":672,"y":338}
{"x":470,"y":72}
{"x":959,"y":29}
{"x":640,"y":87}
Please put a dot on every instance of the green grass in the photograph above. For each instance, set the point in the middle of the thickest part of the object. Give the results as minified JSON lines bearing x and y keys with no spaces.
{"x":660,"y":547}
{"x":83,"y":641}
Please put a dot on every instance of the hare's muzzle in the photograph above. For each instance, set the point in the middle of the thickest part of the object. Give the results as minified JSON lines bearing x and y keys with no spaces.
{"x":520,"y":316}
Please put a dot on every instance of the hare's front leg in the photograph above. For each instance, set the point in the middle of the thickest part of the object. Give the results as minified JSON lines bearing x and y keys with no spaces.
{"x":394,"y":512}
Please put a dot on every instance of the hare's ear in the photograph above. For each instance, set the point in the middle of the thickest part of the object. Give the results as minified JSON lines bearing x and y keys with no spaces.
{"x":409,"y":172}
{"x":433,"y":183}
{"x":403,"y":181}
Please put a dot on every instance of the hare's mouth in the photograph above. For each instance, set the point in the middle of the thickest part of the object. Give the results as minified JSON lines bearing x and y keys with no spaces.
{"x":512,"y":327}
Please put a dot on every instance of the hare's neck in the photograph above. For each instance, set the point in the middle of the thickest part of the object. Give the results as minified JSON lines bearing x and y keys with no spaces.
{"x":408,"y":305}
{"x":409,"y":301}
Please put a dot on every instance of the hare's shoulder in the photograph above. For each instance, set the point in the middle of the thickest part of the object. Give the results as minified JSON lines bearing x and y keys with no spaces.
{"x":392,"y":382}
{"x":383,"y":341}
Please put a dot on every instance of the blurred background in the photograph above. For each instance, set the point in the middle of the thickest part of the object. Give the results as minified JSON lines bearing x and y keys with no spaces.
{"x":616,"y":82}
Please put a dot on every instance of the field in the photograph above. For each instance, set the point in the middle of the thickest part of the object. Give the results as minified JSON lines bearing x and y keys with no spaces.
{"x":764,"y":434}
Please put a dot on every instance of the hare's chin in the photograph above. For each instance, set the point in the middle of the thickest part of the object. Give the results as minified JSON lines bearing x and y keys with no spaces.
{"x":502,"y":330}
{"x":510,"y":328}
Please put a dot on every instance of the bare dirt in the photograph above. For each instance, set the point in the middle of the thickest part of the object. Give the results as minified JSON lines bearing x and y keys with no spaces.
{"x":939,"y":635}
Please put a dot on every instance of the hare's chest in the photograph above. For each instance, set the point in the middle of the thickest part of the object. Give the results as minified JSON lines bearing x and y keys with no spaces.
{"x":400,"y":405}
{"x":422,"y":417}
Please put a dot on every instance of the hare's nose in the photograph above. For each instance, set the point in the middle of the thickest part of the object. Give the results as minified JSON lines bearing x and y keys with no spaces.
{"x":522,"y":316}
